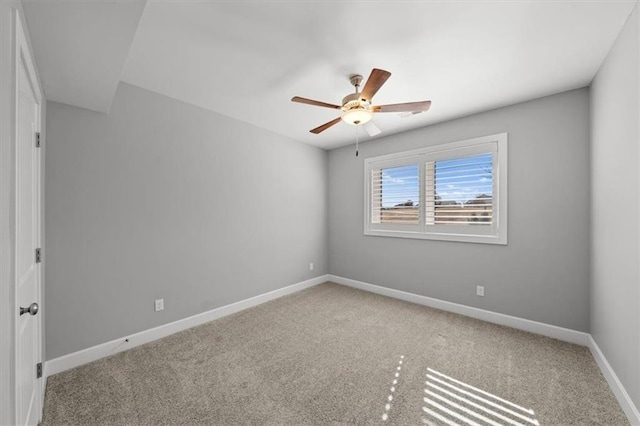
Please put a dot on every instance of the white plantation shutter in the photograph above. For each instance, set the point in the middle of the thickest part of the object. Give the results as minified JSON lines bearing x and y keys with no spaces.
{"x":455,"y":192}
{"x":395,"y":195}
{"x":462,"y":190}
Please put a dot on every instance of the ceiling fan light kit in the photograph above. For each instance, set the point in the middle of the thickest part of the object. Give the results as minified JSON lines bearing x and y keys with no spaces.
{"x":357,"y":108}
{"x":356,"y":116}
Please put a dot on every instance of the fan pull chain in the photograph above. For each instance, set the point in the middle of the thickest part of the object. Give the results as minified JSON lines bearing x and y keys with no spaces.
{"x":356,"y":141}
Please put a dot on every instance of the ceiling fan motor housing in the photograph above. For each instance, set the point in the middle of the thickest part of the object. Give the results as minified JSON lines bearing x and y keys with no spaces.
{"x":352,"y":101}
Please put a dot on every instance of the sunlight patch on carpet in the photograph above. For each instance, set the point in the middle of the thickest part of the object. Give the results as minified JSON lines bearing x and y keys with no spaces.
{"x":387,"y":407}
{"x":452,"y":401}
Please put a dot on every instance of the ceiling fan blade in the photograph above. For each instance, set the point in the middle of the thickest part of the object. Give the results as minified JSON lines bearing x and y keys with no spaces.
{"x":408,"y":106}
{"x":325,"y":126}
{"x":374,"y":83}
{"x":371,"y":128}
{"x":312,"y":102}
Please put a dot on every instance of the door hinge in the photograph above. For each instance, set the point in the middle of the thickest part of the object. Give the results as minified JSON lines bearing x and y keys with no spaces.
{"x":37,"y":139}
{"x":38,"y":370}
{"x":38,"y":255}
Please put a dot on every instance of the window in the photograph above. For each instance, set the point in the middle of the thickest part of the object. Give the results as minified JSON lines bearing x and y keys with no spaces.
{"x":455,"y":192}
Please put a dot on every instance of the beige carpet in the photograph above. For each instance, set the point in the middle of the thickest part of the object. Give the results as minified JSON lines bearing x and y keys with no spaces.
{"x":335,"y":355}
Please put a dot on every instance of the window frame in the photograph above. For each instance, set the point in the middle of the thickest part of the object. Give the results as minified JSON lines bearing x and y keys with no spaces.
{"x":494,"y":234}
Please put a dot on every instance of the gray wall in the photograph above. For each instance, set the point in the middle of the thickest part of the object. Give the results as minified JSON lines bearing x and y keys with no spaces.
{"x":161,"y":199}
{"x":615,"y":256}
{"x":543,"y":272}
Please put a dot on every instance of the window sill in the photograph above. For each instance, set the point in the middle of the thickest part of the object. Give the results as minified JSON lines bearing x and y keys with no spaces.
{"x":463,"y":238}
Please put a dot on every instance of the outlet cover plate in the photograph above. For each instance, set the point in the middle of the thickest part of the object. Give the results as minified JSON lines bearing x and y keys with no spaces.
{"x":159,"y":304}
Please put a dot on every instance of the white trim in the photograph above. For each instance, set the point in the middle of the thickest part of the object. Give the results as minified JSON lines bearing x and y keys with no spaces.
{"x":7,"y":391}
{"x":75,"y":359}
{"x":560,"y":333}
{"x":619,"y":391}
{"x":637,"y":24}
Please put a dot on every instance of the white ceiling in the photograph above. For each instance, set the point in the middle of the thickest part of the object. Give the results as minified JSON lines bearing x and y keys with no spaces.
{"x":246,"y":59}
{"x":81,"y":47}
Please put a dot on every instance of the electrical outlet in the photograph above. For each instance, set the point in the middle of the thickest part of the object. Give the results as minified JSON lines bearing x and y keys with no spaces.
{"x":311,"y":266}
{"x":159,"y":304}
{"x":480,"y":290}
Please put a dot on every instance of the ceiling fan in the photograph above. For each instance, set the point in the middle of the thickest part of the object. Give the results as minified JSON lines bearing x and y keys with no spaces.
{"x":356,"y":107}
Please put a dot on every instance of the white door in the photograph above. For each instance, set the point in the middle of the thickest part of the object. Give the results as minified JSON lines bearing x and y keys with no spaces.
{"x":27,"y":238}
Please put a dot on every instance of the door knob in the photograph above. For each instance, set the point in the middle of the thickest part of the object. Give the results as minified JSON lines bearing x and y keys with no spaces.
{"x":32,"y":309}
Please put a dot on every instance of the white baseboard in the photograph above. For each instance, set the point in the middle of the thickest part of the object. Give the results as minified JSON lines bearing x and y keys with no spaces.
{"x":564,"y":334}
{"x":619,"y":391}
{"x":75,"y":359}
